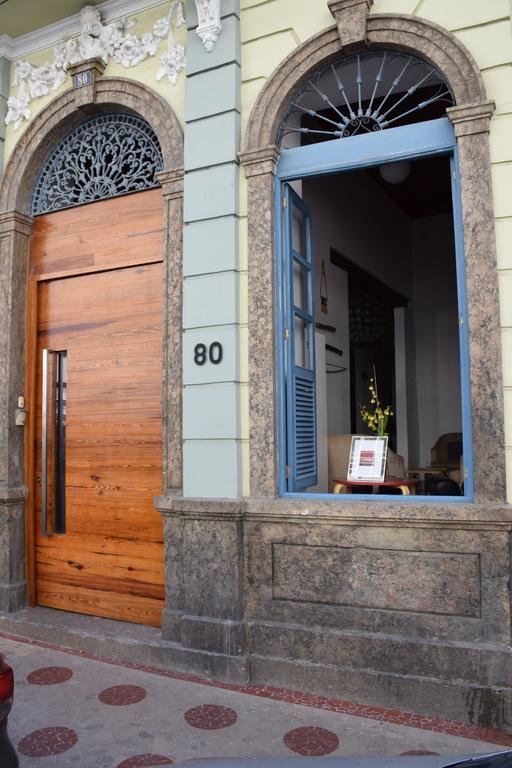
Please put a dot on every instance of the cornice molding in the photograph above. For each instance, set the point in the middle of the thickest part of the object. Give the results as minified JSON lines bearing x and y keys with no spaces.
{"x":171,"y":182}
{"x":258,"y":162}
{"x":15,"y":221}
{"x":52,"y":34}
{"x":469,"y":119}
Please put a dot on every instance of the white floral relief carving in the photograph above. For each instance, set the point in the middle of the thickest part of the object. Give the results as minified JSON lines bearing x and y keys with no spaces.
{"x":114,"y":41}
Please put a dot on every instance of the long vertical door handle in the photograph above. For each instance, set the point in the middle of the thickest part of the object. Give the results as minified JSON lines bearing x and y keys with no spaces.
{"x":44,"y":446}
{"x":53,"y":438}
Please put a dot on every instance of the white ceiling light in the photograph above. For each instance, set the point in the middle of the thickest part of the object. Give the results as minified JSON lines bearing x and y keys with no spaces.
{"x":395,"y":173}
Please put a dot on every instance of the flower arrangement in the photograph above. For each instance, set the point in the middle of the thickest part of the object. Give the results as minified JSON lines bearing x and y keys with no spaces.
{"x":377,"y":418}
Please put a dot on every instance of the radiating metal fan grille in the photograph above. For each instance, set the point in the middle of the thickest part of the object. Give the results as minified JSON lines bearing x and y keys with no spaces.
{"x":364,"y":93}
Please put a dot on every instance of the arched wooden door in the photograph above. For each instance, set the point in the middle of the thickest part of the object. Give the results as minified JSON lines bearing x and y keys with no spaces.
{"x":95,"y":331}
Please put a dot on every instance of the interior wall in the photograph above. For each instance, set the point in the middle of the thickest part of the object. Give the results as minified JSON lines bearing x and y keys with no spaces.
{"x":351,"y":214}
{"x":434,"y":397}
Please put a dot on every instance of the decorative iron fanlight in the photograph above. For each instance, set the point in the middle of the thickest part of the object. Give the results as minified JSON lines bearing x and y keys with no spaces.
{"x":364,"y":93}
{"x":107,"y":156}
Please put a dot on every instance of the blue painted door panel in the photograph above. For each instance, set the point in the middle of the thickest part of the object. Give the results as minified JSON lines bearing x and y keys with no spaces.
{"x":300,"y":344}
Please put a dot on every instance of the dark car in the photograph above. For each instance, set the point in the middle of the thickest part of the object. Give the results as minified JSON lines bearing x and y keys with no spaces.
{"x":8,"y":757}
{"x":494,"y":760}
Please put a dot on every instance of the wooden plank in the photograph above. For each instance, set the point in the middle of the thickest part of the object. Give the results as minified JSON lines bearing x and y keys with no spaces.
{"x":106,"y":234}
{"x":102,"y":557}
{"x":100,"y":602}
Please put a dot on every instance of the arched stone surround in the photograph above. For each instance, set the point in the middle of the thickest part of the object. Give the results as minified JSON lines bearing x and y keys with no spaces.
{"x":47,"y":128}
{"x":406,"y":33}
{"x":471,"y":118}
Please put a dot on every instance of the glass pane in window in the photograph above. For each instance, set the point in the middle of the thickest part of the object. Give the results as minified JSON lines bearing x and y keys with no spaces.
{"x":298,"y":231}
{"x":302,"y":343}
{"x":300,"y":286}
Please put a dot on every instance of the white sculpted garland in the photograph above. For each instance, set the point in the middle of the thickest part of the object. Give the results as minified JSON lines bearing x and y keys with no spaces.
{"x":113,"y":41}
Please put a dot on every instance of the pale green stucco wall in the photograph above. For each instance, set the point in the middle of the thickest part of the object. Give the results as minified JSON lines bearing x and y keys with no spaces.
{"x":271,"y":29}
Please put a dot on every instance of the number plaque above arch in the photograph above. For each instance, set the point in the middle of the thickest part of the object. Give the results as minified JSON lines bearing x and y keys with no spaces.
{"x":106,"y":156}
{"x":363,"y":93}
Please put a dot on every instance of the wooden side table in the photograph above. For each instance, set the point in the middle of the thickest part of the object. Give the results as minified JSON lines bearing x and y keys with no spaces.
{"x":406,"y":484}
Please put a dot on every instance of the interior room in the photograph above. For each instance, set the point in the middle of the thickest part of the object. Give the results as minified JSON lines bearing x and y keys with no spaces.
{"x":386,"y":316}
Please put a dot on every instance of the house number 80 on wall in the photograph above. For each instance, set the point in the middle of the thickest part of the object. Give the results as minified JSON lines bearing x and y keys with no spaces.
{"x":203,"y":353}
{"x":83,"y":78}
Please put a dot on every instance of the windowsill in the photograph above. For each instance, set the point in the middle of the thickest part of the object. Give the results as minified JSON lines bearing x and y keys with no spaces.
{"x":377,"y":497}
{"x":388,"y":510}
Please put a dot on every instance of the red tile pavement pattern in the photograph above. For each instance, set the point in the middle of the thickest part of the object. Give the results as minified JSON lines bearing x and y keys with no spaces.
{"x":412,"y":719}
{"x":144,"y":761}
{"x":48,"y":741}
{"x":311,"y":742}
{"x":49,"y":675}
{"x":210,"y":717}
{"x":122,"y":695}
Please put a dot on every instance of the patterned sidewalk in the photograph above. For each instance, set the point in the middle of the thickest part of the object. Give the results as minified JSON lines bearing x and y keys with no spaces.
{"x":73,"y":709}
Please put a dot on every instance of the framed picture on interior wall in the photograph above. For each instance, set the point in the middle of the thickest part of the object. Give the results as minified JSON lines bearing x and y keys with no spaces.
{"x":368,"y":457}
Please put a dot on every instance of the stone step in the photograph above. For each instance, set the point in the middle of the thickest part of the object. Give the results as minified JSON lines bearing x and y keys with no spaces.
{"x":472,"y":663}
{"x":117,"y":640}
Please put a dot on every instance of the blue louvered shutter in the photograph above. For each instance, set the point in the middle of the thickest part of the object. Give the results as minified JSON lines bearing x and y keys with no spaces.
{"x":300,"y":342}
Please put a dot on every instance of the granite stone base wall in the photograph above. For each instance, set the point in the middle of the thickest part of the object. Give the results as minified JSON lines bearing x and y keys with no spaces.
{"x":203,"y":611}
{"x":401,"y":606}
{"x":413,"y":615}
{"x":13,"y":583}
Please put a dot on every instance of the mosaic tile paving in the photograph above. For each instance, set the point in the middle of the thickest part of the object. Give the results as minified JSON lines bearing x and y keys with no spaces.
{"x":73,"y":709}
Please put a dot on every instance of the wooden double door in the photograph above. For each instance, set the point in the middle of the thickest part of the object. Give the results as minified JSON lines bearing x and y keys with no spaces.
{"x":95,"y":333}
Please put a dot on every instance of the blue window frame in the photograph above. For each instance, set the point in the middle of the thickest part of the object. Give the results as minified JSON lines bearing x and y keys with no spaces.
{"x":410,"y":142}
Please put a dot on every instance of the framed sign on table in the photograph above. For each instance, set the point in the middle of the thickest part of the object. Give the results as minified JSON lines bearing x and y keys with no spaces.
{"x":368,"y":457}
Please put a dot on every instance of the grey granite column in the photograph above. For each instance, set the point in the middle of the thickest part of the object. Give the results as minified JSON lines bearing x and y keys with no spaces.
{"x":471,"y":125}
{"x":260,"y":167}
{"x":172,"y":191}
{"x":14,"y":233}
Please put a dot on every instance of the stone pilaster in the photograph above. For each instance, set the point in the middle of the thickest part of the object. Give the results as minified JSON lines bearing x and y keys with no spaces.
{"x":213,"y":390}
{"x":172,"y":191}
{"x":260,"y":167}
{"x":14,"y":234}
{"x":471,"y":124}
{"x":203,"y":611}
